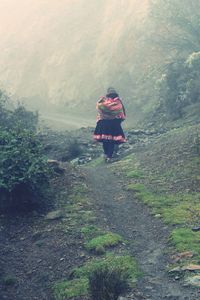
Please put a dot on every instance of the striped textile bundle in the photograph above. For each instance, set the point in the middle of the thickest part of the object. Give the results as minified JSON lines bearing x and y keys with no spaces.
{"x":109,"y":109}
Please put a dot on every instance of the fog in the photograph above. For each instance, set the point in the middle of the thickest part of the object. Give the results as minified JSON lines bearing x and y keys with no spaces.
{"x":64,"y":54}
{"x":60,"y":56}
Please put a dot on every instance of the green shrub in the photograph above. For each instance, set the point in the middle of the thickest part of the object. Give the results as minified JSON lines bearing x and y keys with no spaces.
{"x":23,"y":168}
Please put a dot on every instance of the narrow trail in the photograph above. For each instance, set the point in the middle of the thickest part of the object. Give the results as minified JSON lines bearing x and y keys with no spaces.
{"x":147,"y":235}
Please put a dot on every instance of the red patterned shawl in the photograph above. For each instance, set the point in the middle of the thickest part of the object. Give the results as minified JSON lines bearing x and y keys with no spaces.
{"x":110,"y":109}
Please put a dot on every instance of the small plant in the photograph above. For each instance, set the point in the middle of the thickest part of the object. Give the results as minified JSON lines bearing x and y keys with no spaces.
{"x":107,"y":284}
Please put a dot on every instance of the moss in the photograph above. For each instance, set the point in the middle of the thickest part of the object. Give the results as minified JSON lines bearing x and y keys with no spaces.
{"x":69,"y":289}
{"x":186,"y":240}
{"x":106,"y":240}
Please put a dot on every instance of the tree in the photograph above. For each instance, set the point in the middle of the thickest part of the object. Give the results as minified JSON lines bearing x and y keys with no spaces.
{"x":176,"y":24}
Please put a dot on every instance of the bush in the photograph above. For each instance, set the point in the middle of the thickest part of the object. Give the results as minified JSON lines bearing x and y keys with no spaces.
{"x":23,"y":168}
{"x":107,"y":284}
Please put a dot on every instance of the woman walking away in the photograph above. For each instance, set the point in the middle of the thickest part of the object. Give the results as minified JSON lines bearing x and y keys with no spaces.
{"x":108,"y":130}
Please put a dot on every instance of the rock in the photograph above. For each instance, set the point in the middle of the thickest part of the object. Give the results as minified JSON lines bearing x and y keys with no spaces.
{"x":55,"y":164}
{"x":193,"y":281}
{"x":75,"y":161}
{"x":176,"y":270}
{"x":54,"y":215}
{"x":197,"y":228}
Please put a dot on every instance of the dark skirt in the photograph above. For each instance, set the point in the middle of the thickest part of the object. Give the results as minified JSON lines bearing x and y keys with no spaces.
{"x":109,"y":130}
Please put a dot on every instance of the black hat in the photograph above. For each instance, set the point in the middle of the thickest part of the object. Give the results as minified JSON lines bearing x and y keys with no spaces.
{"x":111,"y":90}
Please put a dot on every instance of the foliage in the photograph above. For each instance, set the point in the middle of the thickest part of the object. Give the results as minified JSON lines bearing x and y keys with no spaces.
{"x":21,"y":159}
{"x":173,"y":36}
{"x":23,"y":168}
{"x":16,"y":117}
{"x":176,"y":23}
{"x":179,"y":85}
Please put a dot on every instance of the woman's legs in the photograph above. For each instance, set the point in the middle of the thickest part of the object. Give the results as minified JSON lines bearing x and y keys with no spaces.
{"x":108,"y":147}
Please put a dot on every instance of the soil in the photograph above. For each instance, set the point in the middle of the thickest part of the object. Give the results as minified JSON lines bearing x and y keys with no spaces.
{"x":35,"y":252}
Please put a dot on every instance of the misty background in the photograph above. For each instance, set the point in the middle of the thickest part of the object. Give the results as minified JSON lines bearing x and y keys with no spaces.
{"x":58,"y":57}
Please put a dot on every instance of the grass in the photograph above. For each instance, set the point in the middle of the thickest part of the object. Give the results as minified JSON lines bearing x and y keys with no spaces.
{"x":79,"y":285}
{"x":175,"y":209}
{"x":184,"y":239}
{"x":69,"y":289}
{"x":97,"y":240}
{"x":96,"y":162}
{"x":135,"y":174}
{"x":103,"y":241}
{"x":91,"y":231}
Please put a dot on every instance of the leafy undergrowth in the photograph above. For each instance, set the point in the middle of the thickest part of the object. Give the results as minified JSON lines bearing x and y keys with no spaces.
{"x":165,"y":176}
{"x":79,"y":218}
{"x":79,"y":285}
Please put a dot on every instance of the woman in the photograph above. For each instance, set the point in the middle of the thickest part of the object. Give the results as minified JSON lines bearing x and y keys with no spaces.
{"x":108,"y":130}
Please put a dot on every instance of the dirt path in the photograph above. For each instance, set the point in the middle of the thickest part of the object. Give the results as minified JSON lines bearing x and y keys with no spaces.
{"x":147,"y":236}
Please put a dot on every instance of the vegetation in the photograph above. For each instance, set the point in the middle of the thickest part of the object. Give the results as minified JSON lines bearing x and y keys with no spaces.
{"x":186,"y":240}
{"x":121,"y":269}
{"x":103,"y":241}
{"x":107,"y":284}
{"x":23,"y":167}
